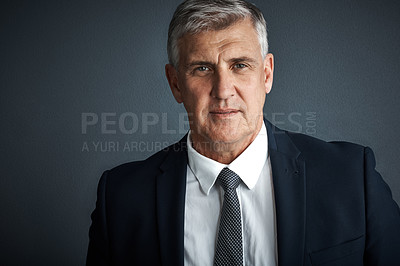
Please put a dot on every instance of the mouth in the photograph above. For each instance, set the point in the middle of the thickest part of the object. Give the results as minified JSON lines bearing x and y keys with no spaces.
{"x":223,"y":113}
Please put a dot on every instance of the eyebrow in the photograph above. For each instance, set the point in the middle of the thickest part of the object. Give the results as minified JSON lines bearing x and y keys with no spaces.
{"x":198,"y":63}
{"x":243,"y":59}
{"x":232,"y":60}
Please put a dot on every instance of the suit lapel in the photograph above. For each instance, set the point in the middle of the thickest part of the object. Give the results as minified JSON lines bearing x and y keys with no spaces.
{"x":171,"y":187}
{"x":288,"y":172}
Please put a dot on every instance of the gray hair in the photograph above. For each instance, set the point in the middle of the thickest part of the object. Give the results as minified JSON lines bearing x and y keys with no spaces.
{"x":195,"y":16}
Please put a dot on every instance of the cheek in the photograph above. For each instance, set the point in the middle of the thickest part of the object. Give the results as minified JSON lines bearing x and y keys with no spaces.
{"x":196,"y":103}
{"x":197,"y":94}
{"x":254,"y":96}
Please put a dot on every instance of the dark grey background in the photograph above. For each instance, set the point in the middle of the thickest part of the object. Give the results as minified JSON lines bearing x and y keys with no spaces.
{"x":336,"y":78}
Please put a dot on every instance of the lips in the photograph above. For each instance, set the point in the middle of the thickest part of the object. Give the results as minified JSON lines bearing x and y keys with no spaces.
{"x":224,"y":112}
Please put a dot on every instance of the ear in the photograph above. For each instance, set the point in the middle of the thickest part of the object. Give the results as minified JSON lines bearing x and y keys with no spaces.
{"x":172,"y":77}
{"x":269,"y":72}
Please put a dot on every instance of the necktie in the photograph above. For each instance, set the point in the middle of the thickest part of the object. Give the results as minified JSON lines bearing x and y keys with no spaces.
{"x":229,"y":249}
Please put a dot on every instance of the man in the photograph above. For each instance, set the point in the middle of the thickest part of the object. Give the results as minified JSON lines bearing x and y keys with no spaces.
{"x":237,"y":190}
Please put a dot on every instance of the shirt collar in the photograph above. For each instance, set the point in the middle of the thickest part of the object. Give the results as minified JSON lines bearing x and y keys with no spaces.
{"x":248,"y":165}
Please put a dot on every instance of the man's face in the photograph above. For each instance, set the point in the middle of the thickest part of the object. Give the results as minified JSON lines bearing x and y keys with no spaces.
{"x":222,"y":81}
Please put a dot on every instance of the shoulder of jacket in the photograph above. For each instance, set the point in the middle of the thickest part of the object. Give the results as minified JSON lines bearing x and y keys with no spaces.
{"x":314,"y":146}
{"x":149,"y":164}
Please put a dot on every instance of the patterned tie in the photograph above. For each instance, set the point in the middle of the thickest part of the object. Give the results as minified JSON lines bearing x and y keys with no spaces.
{"x":229,"y":250}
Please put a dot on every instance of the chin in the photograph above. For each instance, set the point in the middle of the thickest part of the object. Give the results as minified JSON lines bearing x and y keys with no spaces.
{"x":225,"y":137}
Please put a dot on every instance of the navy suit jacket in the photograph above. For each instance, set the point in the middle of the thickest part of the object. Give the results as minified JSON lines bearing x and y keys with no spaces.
{"x":332,"y":207}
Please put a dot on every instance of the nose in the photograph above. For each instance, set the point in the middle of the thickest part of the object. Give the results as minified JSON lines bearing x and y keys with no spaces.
{"x":223,"y":85}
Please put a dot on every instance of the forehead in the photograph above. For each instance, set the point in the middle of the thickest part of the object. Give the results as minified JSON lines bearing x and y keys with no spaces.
{"x":240,"y":37}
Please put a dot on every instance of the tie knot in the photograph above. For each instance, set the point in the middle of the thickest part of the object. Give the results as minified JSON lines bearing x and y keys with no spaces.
{"x":228,"y":179}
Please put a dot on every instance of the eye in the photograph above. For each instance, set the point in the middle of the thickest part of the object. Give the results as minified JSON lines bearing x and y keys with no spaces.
{"x":201,"y":71}
{"x":202,"y":68}
{"x":239,"y":66}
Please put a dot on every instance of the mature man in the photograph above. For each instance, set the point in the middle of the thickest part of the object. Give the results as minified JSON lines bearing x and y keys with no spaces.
{"x":237,"y":190}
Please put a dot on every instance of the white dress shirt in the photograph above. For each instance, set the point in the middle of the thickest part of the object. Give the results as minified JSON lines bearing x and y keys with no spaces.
{"x":204,"y":200}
